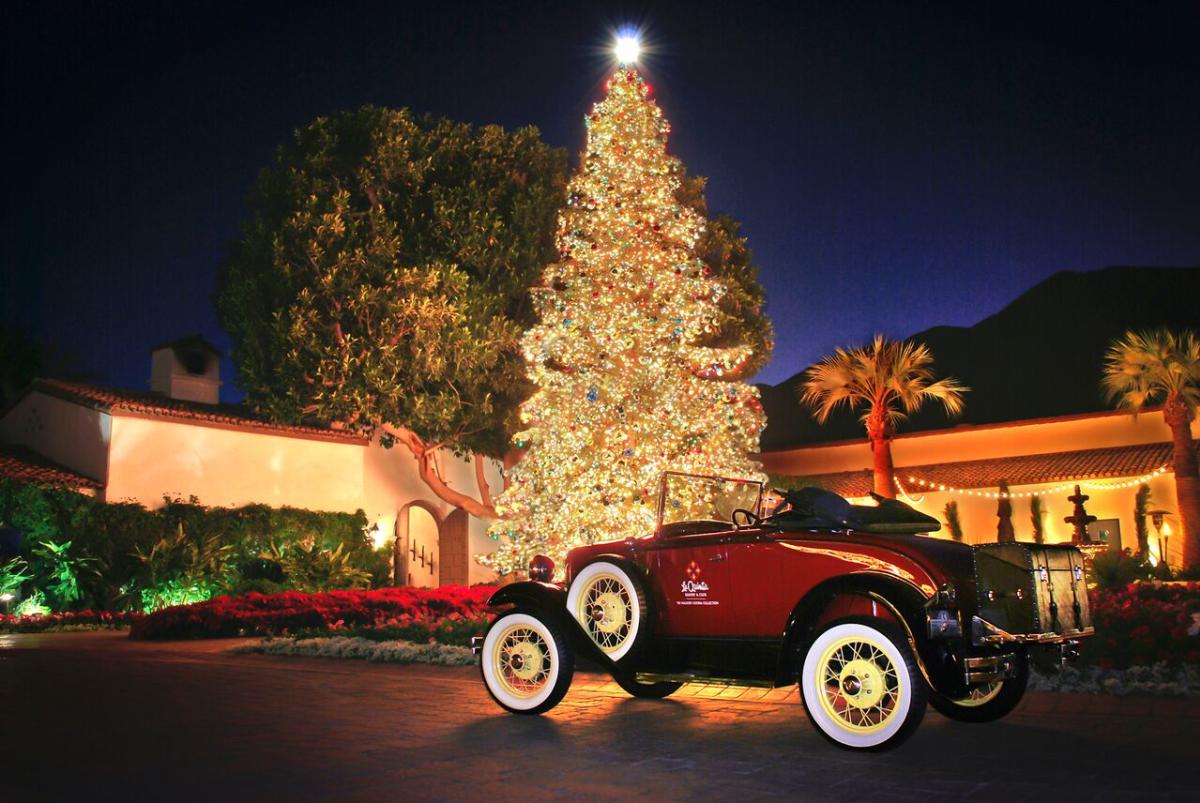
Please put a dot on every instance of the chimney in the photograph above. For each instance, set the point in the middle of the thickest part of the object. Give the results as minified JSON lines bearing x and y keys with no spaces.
{"x":188,"y":369}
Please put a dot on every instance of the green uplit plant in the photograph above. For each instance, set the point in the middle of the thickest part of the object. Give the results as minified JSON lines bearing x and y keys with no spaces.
{"x":58,"y":572}
{"x":179,"y":570}
{"x":13,"y":574}
{"x":33,"y":605}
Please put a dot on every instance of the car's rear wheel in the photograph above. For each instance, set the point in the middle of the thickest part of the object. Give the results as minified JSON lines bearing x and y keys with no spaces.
{"x":861,"y":686}
{"x":985,"y":703}
{"x":526,"y":663}
{"x":610,"y":606}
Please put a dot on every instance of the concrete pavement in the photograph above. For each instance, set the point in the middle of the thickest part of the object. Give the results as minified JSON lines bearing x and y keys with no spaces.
{"x":93,"y":716}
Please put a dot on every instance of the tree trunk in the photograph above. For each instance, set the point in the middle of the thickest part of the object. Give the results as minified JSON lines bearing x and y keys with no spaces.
{"x":1187,"y":478}
{"x":429,"y":475}
{"x":879,"y":432}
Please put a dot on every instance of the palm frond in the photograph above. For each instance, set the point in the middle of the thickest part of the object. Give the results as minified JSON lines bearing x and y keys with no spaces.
{"x":889,"y":378}
{"x":1142,"y":368}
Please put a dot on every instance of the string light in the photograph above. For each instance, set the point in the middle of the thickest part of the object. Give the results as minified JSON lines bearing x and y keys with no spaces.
{"x":623,"y":390}
{"x":1091,"y":485}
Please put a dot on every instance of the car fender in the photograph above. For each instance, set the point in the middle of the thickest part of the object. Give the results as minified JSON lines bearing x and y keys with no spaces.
{"x":863,"y":593}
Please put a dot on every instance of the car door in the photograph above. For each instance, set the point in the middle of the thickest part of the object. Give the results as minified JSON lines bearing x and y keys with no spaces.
{"x":692,"y":577}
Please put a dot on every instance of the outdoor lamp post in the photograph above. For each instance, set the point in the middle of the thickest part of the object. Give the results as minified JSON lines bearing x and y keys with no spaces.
{"x":1157,"y":516}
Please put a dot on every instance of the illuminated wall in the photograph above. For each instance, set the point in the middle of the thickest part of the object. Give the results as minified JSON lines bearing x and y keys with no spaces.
{"x":966,"y":442}
{"x":225,"y":466}
{"x":144,"y":459}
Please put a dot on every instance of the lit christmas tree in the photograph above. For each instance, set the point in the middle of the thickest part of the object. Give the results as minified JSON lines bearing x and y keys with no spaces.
{"x":624,"y":390}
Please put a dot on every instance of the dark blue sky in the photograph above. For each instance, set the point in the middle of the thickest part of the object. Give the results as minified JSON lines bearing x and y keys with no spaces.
{"x":895,"y":166}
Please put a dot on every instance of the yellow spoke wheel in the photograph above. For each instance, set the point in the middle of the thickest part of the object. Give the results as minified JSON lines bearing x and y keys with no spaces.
{"x":860,"y":684}
{"x":525,"y":663}
{"x":608,"y":604}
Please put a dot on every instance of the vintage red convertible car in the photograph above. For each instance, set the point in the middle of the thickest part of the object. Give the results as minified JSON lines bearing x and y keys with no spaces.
{"x":872,"y":617}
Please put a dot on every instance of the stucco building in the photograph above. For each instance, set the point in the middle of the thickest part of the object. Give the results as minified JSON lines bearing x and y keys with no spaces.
{"x":1109,"y":454}
{"x":178,"y":441}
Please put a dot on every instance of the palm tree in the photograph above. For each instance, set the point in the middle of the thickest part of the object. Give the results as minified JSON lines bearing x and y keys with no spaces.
{"x":1147,"y":367}
{"x":888,"y":379}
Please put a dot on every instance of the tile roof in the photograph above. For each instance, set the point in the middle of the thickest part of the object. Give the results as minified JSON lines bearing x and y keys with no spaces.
{"x":25,"y":465}
{"x":1085,"y":464}
{"x":154,"y":404}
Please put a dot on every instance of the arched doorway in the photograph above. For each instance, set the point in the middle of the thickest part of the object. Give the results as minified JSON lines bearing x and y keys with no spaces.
{"x":418,"y":548}
{"x":431,"y":551}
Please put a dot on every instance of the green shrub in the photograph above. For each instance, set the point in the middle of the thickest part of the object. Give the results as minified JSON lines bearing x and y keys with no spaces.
{"x":122,"y":556}
{"x":310,"y":568}
{"x":57,"y":573}
{"x":1112,"y":570}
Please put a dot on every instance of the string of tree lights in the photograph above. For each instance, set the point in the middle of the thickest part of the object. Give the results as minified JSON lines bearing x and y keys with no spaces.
{"x":1091,"y":485}
{"x":623,"y":390}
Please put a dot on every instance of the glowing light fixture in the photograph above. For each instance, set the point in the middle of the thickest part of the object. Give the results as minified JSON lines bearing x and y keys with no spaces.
{"x":627,"y":48}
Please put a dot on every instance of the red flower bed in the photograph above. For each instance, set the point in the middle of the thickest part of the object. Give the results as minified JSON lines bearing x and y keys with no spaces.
{"x":291,"y":611}
{"x":1145,"y":623}
{"x":34,"y":624}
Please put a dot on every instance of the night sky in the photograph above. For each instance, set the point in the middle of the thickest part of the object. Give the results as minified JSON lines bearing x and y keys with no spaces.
{"x":895,"y":166}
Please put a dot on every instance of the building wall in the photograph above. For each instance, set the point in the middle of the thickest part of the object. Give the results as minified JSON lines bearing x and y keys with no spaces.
{"x":978,"y":514}
{"x":71,"y":435}
{"x":391,"y":481}
{"x":978,"y":442}
{"x":144,"y":459}
{"x":227,"y":467}
{"x":979,"y":518}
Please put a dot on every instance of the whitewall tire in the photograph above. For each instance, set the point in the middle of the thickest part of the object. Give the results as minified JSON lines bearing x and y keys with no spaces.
{"x":610,"y":606}
{"x":526,"y":663}
{"x":861,"y":686}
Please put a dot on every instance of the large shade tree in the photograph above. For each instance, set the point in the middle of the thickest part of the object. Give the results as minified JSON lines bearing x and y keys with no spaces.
{"x":1161,"y":366}
{"x":888,"y":380}
{"x":381,"y":281}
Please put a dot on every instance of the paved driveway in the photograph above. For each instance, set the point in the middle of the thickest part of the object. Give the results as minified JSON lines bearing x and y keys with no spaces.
{"x":94,"y":716}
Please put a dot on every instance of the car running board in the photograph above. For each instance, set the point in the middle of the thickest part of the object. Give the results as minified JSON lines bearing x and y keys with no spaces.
{"x":691,"y":677}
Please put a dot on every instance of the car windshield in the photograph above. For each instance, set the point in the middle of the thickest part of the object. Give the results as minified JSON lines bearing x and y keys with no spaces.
{"x":694,"y":497}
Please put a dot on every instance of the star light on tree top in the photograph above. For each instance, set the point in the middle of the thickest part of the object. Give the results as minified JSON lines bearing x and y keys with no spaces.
{"x":627,"y":48}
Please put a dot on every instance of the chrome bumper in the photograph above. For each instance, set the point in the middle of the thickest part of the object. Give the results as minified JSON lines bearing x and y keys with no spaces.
{"x":476,"y":645}
{"x":984,"y":632}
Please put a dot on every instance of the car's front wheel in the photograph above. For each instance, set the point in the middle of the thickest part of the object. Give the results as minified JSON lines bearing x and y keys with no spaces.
{"x":861,"y":686}
{"x":986,"y":703}
{"x":526,"y":663}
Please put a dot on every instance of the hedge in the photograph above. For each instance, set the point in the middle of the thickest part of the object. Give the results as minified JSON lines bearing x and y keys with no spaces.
{"x":107,"y":536}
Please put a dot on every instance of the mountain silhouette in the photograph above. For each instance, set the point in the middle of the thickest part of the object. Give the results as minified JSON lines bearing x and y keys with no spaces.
{"x":1042,"y":355}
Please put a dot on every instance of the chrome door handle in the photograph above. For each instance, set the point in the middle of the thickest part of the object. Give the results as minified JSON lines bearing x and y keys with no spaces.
{"x":716,"y":558}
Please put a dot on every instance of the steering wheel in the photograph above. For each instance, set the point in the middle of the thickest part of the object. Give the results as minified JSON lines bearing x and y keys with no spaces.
{"x":751,"y":519}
